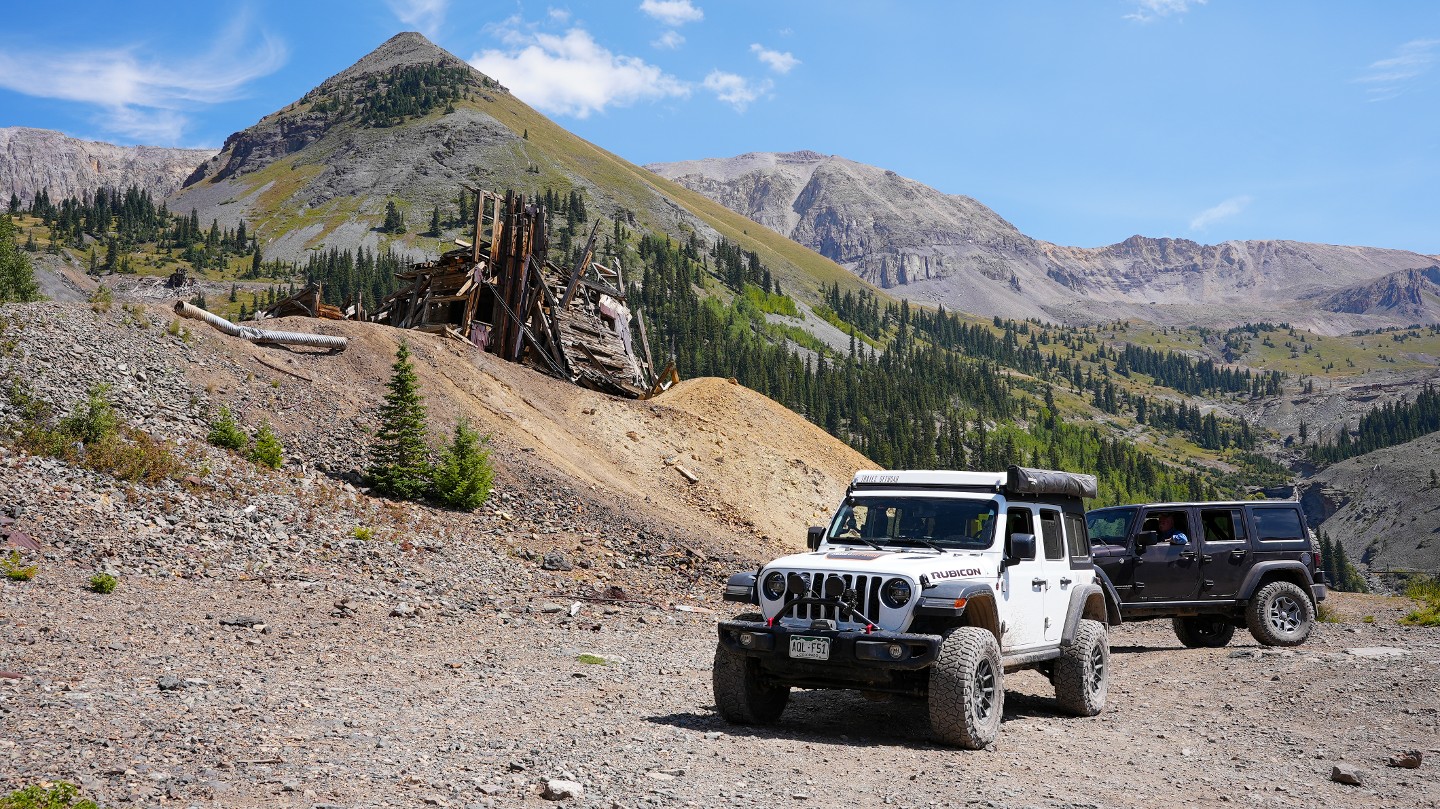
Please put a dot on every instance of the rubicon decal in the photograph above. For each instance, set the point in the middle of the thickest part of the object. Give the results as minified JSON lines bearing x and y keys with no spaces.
{"x":955,"y":574}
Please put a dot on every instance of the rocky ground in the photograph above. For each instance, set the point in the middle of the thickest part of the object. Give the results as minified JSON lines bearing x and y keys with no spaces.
{"x":261,"y":651}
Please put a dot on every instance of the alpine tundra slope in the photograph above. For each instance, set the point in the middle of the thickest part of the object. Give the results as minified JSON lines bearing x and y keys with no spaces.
{"x":931,"y":584}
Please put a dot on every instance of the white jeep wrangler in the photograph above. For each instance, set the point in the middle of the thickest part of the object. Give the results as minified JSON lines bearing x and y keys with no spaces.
{"x":929,"y":584}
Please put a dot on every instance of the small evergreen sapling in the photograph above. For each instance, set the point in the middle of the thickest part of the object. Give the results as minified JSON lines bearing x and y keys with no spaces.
{"x":462,"y":478}
{"x":225,"y":431}
{"x":400,"y":458}
{"x":267,"y":450}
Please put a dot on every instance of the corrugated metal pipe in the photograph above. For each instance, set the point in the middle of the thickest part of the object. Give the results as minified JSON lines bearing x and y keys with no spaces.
{"x":255,"y":335}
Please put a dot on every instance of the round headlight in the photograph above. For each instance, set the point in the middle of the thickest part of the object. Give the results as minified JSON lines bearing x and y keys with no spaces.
{"x":774,"y":586}
{"x":895,"y":593}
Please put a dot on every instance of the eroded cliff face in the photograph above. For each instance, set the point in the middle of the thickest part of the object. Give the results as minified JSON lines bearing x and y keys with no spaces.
{"x":896,"y":232}
{"x":34,"y":160}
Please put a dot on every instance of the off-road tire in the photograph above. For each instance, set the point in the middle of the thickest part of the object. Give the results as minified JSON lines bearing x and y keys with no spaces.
{"x":1082,"y":672}
{"x":967,"y":689}
{"x":1204,"y":631}
{"x":1280,"y":614}
{"x":743,"y":694}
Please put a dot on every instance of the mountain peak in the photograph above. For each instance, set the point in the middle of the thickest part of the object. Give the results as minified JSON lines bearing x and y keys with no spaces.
{"x":404,"y":49}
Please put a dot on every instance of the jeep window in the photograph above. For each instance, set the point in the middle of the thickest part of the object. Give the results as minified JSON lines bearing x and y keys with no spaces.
{"x":1278,"y":524}
{"x":1111,"y":526}
{"x":949,"y":523}
{"x":1018,"y":521}
{"x":1075,"y":536}
{"x":1222,"y":525}
{"x":1050,"y":526}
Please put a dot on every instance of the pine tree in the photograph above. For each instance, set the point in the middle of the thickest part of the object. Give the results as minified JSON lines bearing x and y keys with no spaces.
{"x":462,"y":477}
{"x":394,"y":221}
{"x":435,"y":222}
{"x":17,"y":276}
{"x":255,"y":261}
{"x":399,"y":460}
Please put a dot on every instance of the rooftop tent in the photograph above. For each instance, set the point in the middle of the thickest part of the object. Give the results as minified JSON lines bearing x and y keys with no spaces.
{"x":1020,"y":480}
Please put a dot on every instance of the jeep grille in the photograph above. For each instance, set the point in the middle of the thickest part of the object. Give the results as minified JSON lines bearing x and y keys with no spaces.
{"x":861,"y":592}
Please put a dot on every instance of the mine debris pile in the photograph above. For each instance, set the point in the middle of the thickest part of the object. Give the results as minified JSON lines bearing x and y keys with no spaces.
{"x":501,"y":294}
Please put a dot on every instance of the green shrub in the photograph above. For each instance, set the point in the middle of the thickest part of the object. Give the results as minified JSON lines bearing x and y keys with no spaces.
{"x":102,"y":299}
{"x":58,"y":796}
{"x":363,"y":533}
{"x":93,"y":421}
{"x":103,"y":583}
{"x":225,"y":432}
{"x":462,"y":478}
{"x":1325,"y":614}
{"x":15,"y":570}
{"x":92,"y":436}
{"x":1426,"y":591}
{"x":267,"y":450}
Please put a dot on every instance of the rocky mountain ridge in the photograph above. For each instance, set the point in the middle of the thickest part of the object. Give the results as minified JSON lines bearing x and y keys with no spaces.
{"x":905,"y":236}
{"x":34,"y":160}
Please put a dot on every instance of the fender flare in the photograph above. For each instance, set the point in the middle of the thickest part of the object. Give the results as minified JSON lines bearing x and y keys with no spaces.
{"x":1079,"y":597}
{"x":1263,"y":569}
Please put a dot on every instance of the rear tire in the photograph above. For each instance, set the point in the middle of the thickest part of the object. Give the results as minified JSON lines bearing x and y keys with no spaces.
{"x":1204,"y":631}
{"x":1082,"y":673}
{"x":743,"y":694}
{"x":967,"y":689}
{"x":1280,"y":615}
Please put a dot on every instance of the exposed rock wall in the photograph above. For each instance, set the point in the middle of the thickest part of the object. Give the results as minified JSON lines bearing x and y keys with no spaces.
{"x":32,"y":160}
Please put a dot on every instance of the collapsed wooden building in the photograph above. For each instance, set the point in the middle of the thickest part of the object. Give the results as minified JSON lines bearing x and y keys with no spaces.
{"x":500,"y":293}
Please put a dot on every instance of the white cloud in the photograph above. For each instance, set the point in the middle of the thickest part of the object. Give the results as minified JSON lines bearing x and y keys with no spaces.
{"x":138,"y":96}
{"x":425,"y":15}
{"x":670,"y":40}
{"x":1388,"y":77}
{"x":1225,"y":210}
{"x":559,"y":15}
{"x":778,"y":62}
{"x":1151,"y":10}
{"x":672,"y":12}
{"x":573,"y":74}
{"x":737,"y":91}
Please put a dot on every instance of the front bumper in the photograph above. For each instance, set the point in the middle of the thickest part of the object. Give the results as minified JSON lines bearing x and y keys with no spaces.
{"x":854,"y":654}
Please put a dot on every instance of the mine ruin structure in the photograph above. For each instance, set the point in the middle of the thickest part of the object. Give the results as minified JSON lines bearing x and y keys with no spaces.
{"x":499,"y":293}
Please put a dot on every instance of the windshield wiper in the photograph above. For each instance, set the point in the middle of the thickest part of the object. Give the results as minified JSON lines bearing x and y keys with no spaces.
{"x":860,"y":539}
{"x":927,"y":543}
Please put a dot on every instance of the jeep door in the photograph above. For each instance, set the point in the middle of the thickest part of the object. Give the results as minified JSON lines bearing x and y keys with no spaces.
{"x":1110,"y":530}
{"x":1053,"y":571}
{"x":1165,"y":570}
{"x":1224,"y":552}
{"x":1023,"y":591}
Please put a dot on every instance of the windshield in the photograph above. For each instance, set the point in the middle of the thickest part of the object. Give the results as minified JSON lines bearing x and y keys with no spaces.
{"x":947,"y":523}
{"x":1109,"y":527}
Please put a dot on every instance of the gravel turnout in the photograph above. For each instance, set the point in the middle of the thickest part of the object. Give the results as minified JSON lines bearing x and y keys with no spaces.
{"x":282,"y":638}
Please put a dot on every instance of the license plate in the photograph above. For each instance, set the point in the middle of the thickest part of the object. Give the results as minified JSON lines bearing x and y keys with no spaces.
{"x":808,"y":648}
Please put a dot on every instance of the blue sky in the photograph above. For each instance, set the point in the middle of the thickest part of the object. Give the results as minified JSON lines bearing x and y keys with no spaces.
{"x":1081,"y":122}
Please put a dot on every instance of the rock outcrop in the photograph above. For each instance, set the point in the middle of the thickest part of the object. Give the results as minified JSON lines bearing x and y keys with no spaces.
{"x":34,"y":160}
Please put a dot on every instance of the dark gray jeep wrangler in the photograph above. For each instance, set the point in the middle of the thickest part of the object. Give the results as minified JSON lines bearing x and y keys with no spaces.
{"x":1212,"y":567}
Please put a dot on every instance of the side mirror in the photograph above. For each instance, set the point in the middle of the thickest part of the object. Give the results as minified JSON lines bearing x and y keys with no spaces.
{"x":1020,"y":547}
{"x":814,"y":536}
{"x":1145,"y":539}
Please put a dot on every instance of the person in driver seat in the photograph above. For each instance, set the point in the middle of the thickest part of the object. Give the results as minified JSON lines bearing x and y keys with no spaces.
{"x":1166,"y":530}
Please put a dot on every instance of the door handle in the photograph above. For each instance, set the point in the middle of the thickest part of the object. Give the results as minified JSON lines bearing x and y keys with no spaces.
{"x":1064,"y":582}
{"x":1206,"y":558}
{"x":1188,"y":556}
{"x":1238,"y":554}
{"x":1038,"y":582}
